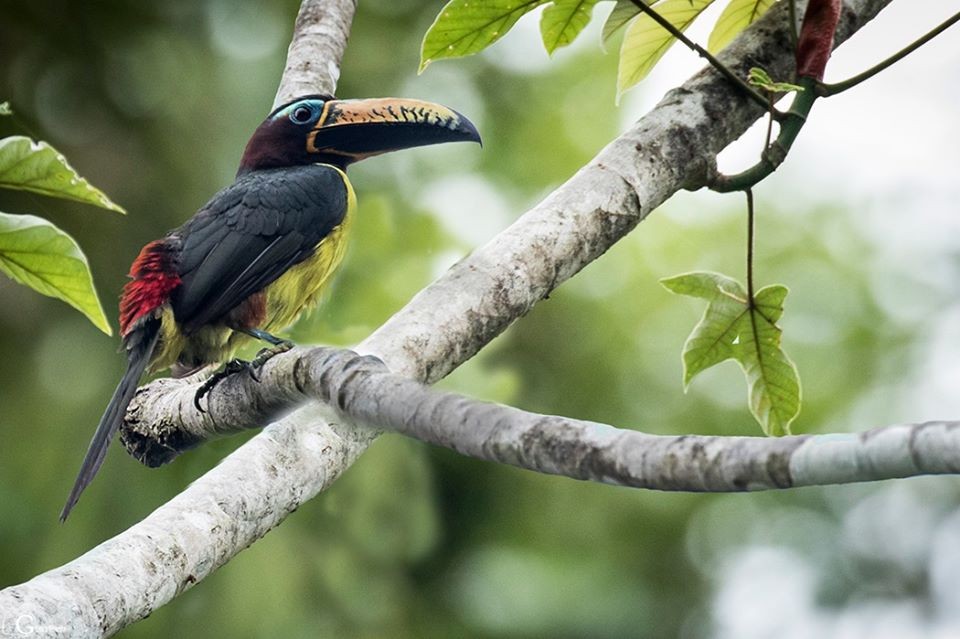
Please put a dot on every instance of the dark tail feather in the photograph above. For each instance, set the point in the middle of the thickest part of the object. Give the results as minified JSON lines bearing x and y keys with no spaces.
{"x":140,"y":343}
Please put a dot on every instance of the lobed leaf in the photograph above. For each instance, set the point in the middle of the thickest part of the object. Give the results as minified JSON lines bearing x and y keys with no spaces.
{"x":736,"y":16}
{"x":465,"y":27}
{"x":563,"y":21}
{"x":5,"y":108}
{"x":36,"y":166}
{"x":731,"y":328}
{"x":36,"y":253}
{"x":646,"y":41}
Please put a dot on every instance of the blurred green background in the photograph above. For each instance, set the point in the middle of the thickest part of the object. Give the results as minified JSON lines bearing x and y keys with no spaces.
{"x":153,"y":103}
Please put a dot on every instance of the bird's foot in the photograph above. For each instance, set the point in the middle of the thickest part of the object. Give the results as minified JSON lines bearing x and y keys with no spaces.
{"x":251,"y":367}
{"x":231,"y":367}
{"x":266,"y":353}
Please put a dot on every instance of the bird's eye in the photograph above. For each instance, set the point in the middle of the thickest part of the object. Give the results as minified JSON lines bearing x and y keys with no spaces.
{"x":301,"y":115}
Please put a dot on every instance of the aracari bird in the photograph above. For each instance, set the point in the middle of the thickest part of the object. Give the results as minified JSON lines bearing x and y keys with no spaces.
{"x":258,"y":254}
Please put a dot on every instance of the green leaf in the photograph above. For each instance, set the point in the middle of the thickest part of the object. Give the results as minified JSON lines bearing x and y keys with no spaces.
{"x":771,"y":374}
{"x":36,"y":253}
{"x":706,"y":285}
{"x":563,"y":21}
{"x":646,"y":41}
{"x":736,"y":16}
{"x":760,"y":78}
{"x":38,"y":167}
{"x":465,"y":27}
{"x":5,"y":108}
{"x":622,"y":13}
{"x":714,"y":337}
{"x":731,"y":328}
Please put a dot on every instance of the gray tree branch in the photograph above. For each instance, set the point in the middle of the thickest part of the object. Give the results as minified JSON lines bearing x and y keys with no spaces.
{"x":362,"y":390}
{"x":671,"y":148}
{"x":319,"y":39}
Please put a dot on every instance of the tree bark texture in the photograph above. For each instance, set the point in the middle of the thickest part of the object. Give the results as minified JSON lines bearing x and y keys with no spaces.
{"x":258,"y":485}
{"x":363,"y":391}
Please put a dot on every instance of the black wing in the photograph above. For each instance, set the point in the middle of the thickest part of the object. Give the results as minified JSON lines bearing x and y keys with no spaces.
{"x":249,"y":234}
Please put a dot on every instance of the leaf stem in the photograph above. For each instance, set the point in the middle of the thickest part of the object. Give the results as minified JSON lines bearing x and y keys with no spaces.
{"x":750,"y":243}
{"x":766,"y":142}
{"x":826,"y":89}
{"x":775,"y":153}
{"x":723,"y":69}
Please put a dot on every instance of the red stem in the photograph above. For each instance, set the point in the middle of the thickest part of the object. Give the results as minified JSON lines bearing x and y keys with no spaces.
{"x":816,"y":37}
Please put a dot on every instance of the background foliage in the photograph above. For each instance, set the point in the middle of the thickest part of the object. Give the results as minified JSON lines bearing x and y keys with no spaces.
{"x":153,"y":103}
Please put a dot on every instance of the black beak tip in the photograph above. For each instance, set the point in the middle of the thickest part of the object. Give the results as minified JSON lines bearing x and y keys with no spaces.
{"x":469,"y":131}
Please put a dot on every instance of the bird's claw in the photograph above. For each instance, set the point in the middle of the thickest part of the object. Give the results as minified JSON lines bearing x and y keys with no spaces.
{"x":265,"y":354}
{"x":231,"y":367}
{"x":238,"y":365}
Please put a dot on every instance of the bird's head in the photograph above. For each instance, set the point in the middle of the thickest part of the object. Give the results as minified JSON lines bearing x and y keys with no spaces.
{"x":319,"y":128}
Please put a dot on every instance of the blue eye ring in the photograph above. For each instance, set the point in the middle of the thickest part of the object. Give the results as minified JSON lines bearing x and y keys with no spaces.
{"x":302,"y":114}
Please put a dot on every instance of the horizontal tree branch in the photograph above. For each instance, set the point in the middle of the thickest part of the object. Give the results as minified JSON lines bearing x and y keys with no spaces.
{"x":363,"y":390}
{"x":128,"y":576}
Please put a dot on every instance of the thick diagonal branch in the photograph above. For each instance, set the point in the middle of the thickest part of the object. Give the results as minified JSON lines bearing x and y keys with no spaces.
{"x":183,"y":541}
{"x":313,"y":59}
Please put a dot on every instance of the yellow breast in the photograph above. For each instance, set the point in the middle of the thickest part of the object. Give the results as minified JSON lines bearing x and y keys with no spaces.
{"x":300,"y":287}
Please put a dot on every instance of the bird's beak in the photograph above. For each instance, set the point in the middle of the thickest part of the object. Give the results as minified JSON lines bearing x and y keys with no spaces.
{"x":357,"y":129}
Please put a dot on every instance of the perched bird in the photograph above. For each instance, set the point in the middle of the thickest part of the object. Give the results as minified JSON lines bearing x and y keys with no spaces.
{"x":258,"y":254}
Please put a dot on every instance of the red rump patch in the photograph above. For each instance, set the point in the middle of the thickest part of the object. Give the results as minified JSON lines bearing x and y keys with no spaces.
{"x":154,"y":274}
